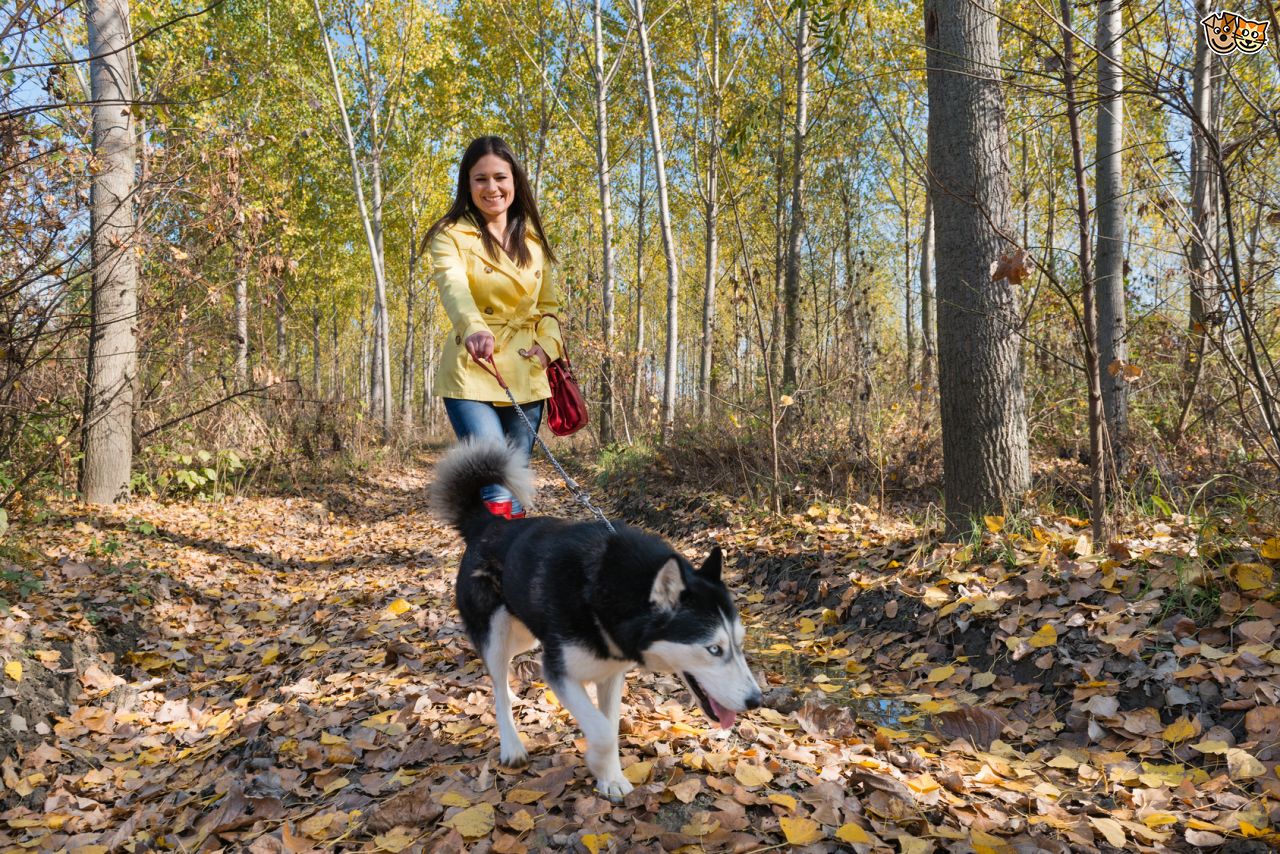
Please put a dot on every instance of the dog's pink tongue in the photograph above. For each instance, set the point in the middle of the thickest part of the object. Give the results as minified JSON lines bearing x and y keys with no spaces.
{"x":723,"y":715}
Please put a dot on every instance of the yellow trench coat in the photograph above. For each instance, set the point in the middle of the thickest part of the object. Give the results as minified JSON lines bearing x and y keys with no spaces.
{"x":481,"y":293}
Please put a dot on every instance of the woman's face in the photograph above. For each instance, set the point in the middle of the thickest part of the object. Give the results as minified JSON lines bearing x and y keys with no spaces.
{"x":492,"y":186}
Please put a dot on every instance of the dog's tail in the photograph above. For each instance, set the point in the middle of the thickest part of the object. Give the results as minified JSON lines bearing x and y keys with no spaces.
{"x":466,"y":468}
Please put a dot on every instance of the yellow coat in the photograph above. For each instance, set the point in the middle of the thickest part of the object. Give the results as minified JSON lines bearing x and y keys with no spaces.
{"x":482,"y":293}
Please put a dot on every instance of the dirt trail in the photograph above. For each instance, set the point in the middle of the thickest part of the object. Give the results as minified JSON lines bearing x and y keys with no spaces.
{"x":288,"y":674}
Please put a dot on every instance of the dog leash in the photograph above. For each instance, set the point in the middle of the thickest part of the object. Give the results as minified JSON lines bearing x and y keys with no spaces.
{"x":580,"y":495}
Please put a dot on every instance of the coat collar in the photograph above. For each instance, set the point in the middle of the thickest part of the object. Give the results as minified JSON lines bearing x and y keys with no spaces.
{"x":523,"y":277}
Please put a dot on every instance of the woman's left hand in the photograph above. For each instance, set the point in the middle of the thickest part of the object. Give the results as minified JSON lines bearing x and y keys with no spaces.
{"x":536,"y":352}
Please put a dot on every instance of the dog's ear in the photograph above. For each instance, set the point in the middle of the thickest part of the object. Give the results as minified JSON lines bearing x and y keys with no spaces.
{"x":711,"y":566}
{"x":667,"y":586}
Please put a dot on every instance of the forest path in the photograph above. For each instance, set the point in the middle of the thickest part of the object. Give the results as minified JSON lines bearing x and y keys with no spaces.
{"x":289,"y":674}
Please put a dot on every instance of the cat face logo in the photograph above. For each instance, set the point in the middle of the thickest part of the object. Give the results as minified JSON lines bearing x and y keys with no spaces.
{"x":1227,"y":32}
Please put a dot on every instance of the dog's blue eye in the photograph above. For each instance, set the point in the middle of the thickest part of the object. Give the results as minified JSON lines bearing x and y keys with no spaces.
{"x":715,"y":650}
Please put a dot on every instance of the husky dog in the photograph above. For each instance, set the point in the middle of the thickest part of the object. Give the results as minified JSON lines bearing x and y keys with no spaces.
{"x":599,"y":603}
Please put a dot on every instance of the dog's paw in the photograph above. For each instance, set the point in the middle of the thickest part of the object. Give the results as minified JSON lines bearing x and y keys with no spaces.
{"x":614,"y":789}
{"x":513,"y":759}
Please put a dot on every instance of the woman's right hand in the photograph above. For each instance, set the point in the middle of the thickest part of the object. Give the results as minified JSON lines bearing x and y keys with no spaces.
{"x":480,"y":346}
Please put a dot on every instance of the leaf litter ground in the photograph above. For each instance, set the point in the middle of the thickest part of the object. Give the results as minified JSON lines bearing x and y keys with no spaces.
{"x":288,"y":674}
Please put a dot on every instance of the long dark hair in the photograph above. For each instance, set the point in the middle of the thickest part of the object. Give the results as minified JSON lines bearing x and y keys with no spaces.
{"x":522,"y":213}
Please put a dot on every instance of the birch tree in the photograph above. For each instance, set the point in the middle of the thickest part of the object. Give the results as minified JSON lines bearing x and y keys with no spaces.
{"x":795,"y":233}
{"x":1112,"y":346}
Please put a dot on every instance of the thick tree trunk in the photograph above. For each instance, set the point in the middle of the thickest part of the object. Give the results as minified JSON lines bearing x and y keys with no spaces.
{"x":604,"y":179}
{"x":928,"y":326}
{"x":1112,"y":346}
{"x":984,"y":424}
{"x":795,"y":236}
{"x":112,"y":369}
{"x":670,"y":377}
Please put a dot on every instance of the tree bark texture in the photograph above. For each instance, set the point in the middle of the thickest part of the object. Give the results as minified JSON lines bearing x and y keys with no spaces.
{"x":795,"y":234}
{"x":1112,"y":347}
{"x":112,"y":369}
{"x":984,"y":424}
{"x":928,"y":326}
{"x":670,"y":377}
{"x":604,"y":180}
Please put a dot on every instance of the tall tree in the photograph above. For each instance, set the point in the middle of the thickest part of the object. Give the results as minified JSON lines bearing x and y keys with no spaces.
{"x":795,"y":234}
{"x":670,"y":377}
{"x":928,"y":328}
{"x":112,"y":370}
{"x":1112,"y":346}
{"x":986,"y":463}
{"x":600,"y":79}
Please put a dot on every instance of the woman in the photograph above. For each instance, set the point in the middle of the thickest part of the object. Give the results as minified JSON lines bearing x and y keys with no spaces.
{"x":489,"y":257}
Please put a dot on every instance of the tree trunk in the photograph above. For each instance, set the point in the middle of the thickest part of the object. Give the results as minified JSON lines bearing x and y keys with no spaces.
{"x":335,"y":391}
{"x":909,"y":315}
{"x":779,"y":242}
{"x":282,"y":334}
{"x":382,"y":397}
{"x":637,"y":386}
{"x":668,"y":239}
{"x":315,"y":353}
{"x":712,"y":215}
{"x":604,"y":178}
{"x":241,"y":310}
{"x":1098,"y":456}
{"x":791,"y":287}
{"x":112,"y":368}
{"x":374,"y":241}
{"x":984,"y":423}
{"x":928,"y":328}
{"x":1204,"y":214}
{"x":1112,"y":346}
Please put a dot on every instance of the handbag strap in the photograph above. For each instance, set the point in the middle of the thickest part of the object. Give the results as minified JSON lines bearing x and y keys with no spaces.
{"x":564,"y":348}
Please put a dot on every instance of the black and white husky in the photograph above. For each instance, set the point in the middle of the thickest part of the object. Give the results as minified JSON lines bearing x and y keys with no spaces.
{"x":599,"y":604}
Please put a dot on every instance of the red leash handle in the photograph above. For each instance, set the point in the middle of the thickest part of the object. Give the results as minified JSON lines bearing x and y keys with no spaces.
{"x":491,"y":370}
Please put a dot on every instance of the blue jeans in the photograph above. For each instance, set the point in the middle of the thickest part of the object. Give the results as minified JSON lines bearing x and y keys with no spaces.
{"x":481,"y":418}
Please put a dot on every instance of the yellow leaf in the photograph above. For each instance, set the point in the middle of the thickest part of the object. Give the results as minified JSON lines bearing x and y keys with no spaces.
{"x":1157,"y":820}
{"x":13,"y":669}
{"x":801,"y":831}
{"x":1241,"y":764}
{"x":752,"y":775}
{"x":700,"y":826}
{"x":938,"y":674}
{"x":1047,"y":636}
{"x":1211,"y":746}
{"x":473,"y":822}
{"x":594,"y":841}
{"x":1112,"y":830}
{"x":397,"y":608}
{"x":395,"y":840}
{"x":914,"y":844}
{"x":786,"y":400}
{"x":521,"y":822}
{"x":270,"y":656}
{"x":637,"y":773}
{"x":806,"y":626}
{"x":1179,"y":731}
{"x":524,"y":796}
{"x":1249,"y":831}
{"x":853,"y":834}
{"x":1271,"y":549}
{"x":982,"y":680}
{"x":935,"y":597}
{"x":995,"y":524}
{"x":1250,"y":576}
{"x":784,"y":801}
{"x":454,"y":799}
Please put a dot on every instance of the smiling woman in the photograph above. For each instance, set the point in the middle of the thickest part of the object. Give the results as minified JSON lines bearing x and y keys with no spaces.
{"x":489,"y":258}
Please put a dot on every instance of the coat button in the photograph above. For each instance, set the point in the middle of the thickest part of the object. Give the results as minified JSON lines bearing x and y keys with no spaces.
{"x":537,"y":274}
{"x":488,"y":269}
{"x":489,"y":310}
{"x":457,"y":339}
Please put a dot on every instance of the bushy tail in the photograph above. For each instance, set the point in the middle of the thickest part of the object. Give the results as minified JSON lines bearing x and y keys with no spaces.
{"x":467,"y":467}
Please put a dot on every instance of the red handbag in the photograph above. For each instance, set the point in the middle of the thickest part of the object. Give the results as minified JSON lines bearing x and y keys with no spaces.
{"x":566,"y":409}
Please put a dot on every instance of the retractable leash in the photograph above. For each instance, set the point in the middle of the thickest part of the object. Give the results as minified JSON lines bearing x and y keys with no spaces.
{"x":579,"y":494}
